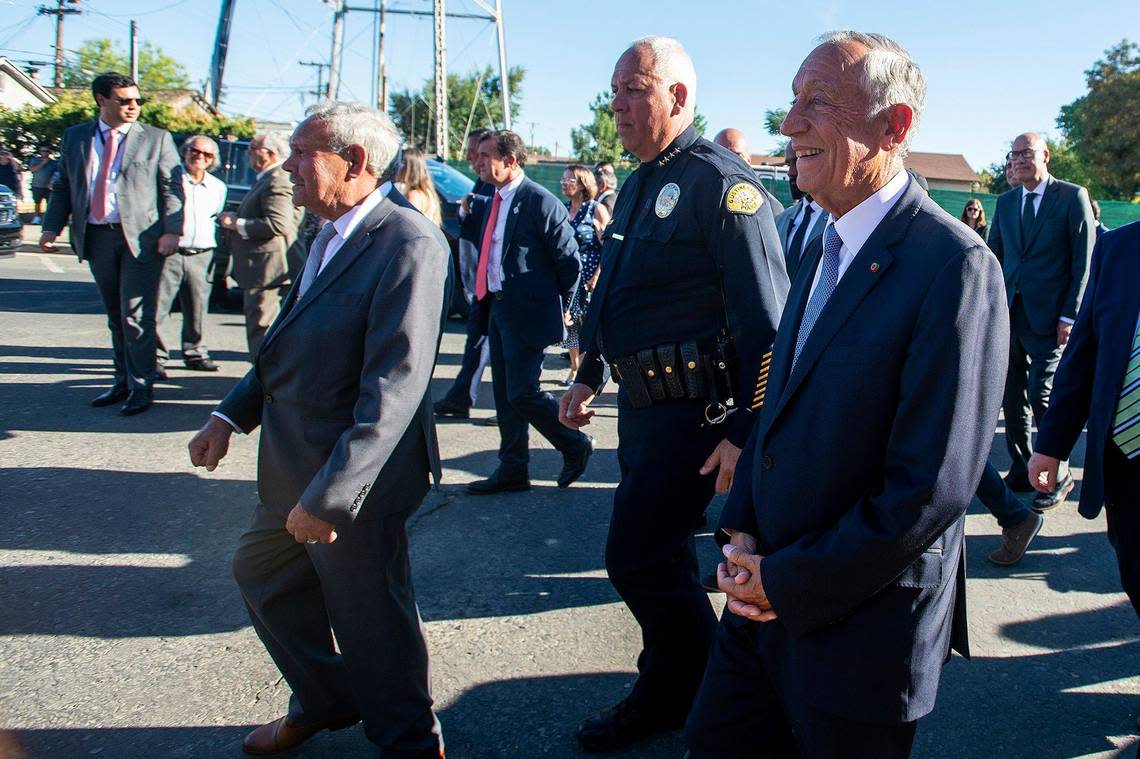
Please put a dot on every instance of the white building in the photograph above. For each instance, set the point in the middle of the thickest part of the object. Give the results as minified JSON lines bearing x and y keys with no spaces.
{"x":17,"y":89}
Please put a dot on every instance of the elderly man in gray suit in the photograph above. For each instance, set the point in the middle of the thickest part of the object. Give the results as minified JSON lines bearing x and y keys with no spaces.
{"x":125,"y":217}
{"x":801,"y":223}
{"x":340,"y":389}
{"x":264,"y":227}
{"x":1043,"y":235}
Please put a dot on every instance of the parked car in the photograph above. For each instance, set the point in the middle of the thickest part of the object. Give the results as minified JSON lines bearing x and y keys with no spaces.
{"x":11,"y":227}
{"x":451,"y":185}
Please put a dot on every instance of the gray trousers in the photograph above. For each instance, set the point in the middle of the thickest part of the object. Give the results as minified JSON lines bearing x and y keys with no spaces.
{"x":185,"y":275}
{"x":260,"y":306}
{"x":360,"y":588}
{"x":128,"y":287}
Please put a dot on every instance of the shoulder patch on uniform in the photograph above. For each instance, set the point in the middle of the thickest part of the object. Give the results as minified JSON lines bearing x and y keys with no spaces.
{"x":744,"y":198}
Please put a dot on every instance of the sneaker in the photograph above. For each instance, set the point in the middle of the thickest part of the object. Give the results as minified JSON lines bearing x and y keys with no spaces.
{"x":1015,"y":540}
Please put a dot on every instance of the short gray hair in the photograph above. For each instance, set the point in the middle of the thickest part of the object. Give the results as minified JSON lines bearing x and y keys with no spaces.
{"x":890,"y":77}
{"x":213,"y":144}
{"x":671,"y":62}
{"x":276,"y":140}
{"x":356,"y":124}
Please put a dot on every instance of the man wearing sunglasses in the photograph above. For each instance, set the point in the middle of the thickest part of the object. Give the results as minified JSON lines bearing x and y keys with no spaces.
{"x":186,"y":275}
{"x":125,"y":216}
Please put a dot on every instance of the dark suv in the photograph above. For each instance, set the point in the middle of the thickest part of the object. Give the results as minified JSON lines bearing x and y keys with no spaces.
{"x":11,"y":228}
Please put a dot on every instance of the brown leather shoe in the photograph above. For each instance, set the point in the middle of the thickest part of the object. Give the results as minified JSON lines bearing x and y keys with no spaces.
{"x":282,"y":735}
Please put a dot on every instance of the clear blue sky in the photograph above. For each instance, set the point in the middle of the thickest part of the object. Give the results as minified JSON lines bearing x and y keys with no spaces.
{"x":994,"y":69}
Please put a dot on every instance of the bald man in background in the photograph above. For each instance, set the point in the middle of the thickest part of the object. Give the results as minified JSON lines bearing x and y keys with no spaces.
{"x":734,"y":141}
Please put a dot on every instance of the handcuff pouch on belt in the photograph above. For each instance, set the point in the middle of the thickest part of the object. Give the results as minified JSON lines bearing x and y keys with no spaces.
{"x":673,"y":371}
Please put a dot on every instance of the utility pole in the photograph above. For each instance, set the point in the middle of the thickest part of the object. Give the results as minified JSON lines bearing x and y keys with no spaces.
{"x":337,"y":46}
{"x":440,"y":81}
{"x":503,"y":79}
{"x":319,"y":92}
{"x":134,"y":51}
{"x":381,"y":68}
{"x":59,"y":12}
{"x":221,"y":47}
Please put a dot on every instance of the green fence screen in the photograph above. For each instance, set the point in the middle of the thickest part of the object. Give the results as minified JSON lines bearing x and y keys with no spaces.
{"x":1112,"y":212}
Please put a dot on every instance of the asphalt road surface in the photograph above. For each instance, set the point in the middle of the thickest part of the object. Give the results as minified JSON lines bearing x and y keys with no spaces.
{"x":122,"y":633}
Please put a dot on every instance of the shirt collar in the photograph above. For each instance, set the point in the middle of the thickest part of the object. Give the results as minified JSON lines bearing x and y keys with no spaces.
{"x":122,"y":129}
{"x":268,"y":169}
{"x":673,"y":149}
{"x":508,"y":190}
{"x":187,"y":178}
{"x":353,"y":217}
{"x":1039,"y":190}
{"x":857,"y":225}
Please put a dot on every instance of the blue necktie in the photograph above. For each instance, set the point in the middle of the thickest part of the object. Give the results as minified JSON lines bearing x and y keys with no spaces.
{"x":828,"y":279}
{"x":316,"y":257}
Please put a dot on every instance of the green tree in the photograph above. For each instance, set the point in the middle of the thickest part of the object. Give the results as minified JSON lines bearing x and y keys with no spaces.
{"x":157,"y":70}
{"x":478,"y":93}
{"x":993,"y":178}
{"x":773,"y":120}
{"x":1102,"y":128}
{"x":598,"y":140}
{"x":700,"y":123}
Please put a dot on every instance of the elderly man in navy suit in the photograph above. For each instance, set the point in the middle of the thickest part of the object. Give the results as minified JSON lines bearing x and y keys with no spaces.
{"x":845,"y":523}
{"x":527,"y":271}
{"x":1098,"y":385}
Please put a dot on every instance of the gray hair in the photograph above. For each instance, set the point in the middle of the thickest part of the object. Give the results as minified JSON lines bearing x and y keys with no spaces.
{"x":213,"y":144}
{"x":671,"y":62}
{"x":356,"y":124}
{"x":890,"y":77}
{"x":277,"y":141}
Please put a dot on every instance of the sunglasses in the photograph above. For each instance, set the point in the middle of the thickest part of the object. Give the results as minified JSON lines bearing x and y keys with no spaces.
{"x":200,"y":153}
{"x":140,"y":102}
{"x":972,"y":209}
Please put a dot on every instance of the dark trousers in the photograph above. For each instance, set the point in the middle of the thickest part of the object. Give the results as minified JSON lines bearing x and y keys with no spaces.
{"x":462,"y":391}
{"x":128,"y":287}
{"x":743,"y":711}
{"x":1122,"y":509}
{"x":360,"y":588}
{"x":999,"y":500}
{"x":187,"y":277}
{"x":1032,"y":362}
{"x":520,"y":401}
{"x":650,"y":552}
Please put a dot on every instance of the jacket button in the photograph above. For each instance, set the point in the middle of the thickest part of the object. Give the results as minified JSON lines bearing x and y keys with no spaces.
{"x":268,"y":398}
{"x":767,"y":462}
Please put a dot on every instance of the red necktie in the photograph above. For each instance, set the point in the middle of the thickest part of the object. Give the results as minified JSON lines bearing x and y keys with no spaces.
{"x":485,"y":250}
{"x":99,"y":206}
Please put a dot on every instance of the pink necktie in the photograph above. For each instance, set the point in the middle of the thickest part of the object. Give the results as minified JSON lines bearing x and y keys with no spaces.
{"x":485,"y":250}
{"x":103,"y":178}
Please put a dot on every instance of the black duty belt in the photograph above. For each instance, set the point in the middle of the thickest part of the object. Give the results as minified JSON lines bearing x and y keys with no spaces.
{"x":675,"y":371}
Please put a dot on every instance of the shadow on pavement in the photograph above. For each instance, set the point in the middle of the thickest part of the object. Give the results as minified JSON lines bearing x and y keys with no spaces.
{"x":49,"y":296}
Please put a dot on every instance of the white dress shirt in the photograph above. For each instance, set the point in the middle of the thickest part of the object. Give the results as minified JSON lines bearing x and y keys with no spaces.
{"x":1037,"y":192}
{"x":204,"y":201}
{"x":241,"y":222}
{"x":99,"y":139}
{"x":857,"y":225}
{"x":495,"y":258}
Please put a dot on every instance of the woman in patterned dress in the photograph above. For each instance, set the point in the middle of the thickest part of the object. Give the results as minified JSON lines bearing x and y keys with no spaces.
{"x":588,"y":218}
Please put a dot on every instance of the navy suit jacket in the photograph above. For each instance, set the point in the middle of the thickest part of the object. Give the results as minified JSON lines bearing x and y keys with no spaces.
{"x":1086,"y":387}
{"x":856,"y":477}
{"x":540,"y":266}
{"x":1049,"y":265}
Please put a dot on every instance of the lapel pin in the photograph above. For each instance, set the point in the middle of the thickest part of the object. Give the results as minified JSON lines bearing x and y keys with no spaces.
{"x":516,"y":210}
{"x":874,"y":266}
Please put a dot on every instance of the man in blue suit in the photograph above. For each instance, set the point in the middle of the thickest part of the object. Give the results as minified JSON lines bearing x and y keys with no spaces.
{"x":844,"y":568}
{"x":526,"y":274}
{"x":1098,"y":384}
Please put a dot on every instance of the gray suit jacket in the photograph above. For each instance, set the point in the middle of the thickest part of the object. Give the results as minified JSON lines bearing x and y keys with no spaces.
{"x":340,"y":385}
{"x":272,"y":222}
{"x":784,"y":221}
{"x":1048,"y":267}
{"x":150,"y":205}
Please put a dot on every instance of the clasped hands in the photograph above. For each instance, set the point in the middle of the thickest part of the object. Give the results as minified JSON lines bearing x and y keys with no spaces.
{"x":210,"y":446}
{"x":738,"y":577}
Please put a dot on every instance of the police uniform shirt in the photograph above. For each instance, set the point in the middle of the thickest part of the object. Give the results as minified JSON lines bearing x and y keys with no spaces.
{"x":687,"y":224}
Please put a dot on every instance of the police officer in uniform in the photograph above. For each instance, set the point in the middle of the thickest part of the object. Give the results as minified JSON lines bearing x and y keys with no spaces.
{"x":691,"y":290}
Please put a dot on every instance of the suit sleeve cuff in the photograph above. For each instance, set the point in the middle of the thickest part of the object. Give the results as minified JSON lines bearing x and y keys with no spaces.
{"x":228,"y":421}
{"x":738,"y":427}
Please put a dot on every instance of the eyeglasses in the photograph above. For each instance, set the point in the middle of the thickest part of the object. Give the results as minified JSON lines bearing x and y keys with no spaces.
{"x":1027,"y":153}
{"x":200,"y":153}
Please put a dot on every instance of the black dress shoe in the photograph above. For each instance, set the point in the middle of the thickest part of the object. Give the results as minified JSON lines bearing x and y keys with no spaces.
{"x":497,"y":483}
{"x":574,"y":464}
{"x":116,"y":394}
{"x":1045,"y":501}
{"x":491,"y":421}
{"x":202,"y":364}
{"x":447,"y":408}
{"x":1018,"y":482}
{"x":623,"y":724}
{"x":138,"y":401}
